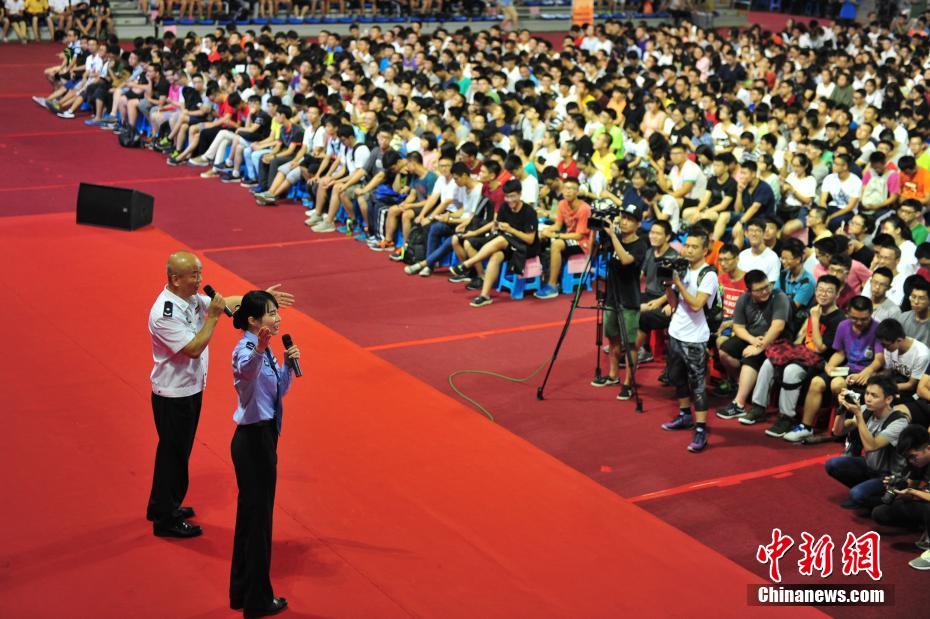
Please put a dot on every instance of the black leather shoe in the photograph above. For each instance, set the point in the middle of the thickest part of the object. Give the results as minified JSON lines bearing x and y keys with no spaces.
{"x":180,"y":528}
{"x":277,"y":605}
{"x":182,"y":512}
{"x":236,"y":605}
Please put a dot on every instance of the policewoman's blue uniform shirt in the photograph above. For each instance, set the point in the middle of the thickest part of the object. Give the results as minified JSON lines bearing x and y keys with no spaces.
{"x":260,"y":382}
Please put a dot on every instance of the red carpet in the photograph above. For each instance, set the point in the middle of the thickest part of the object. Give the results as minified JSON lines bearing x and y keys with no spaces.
{"x":394,"y":499}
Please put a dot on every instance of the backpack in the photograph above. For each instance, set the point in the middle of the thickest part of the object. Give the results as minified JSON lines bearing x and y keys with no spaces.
{"x":876,"y":190}
{"x":129,"y":137}
{"x":416,"y":245}
{"x":854,"y":441}
{"x":713,"y":314}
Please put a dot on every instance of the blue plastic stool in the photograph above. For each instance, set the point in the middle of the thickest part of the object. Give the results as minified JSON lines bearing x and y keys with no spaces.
{"x":518,"y":284}
{"x":573,"y":274}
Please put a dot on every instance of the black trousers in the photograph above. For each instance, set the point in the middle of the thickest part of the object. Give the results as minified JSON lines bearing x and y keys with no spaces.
{"x":903,"y":513}
{"x":176,"y":422}
{"x":255,"y":457}
{"x":267,"y":171}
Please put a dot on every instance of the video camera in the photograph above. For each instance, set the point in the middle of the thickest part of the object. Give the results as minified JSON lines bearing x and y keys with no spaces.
{"x":603,"y":213}
{"x":667,"y":267}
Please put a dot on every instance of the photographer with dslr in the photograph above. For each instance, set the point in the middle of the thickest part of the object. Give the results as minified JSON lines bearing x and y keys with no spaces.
{"x":906,"y":502}
{"x":872,"y":433}
{"x":689,"y":294}
{"x":621,"y":315}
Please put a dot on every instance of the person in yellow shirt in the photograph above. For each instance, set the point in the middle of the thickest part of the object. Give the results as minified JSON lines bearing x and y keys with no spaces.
{"x":36,"y":11}
{"x":603,"y":155}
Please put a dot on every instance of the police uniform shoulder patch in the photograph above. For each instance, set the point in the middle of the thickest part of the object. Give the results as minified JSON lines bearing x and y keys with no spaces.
{"x":250,"y":345}
{"x":169,"y":309}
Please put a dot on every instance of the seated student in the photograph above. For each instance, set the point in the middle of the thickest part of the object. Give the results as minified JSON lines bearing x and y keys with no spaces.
{"x":715,"y":204}
{"x":798,"y":192}
{"x":905,"y":357}
{"x":451,"y":220}
{"x":873,"y":428}
{"x":759,"y":319}
{"x":568,"y":236}
{"x":916,"y":321}
{"x":37,"y":13}
{"x":858,"y":232}
{"x":754,"y":199}
{"x":197,"y":107}
{"x":382,"y":191}
{"x":840,"y":266}
{"x":856,"y":345}
{"x":817,"y":335}
{"x":420,"y":184}
{"x":252,"y":152}
{"x":887,"y":255}
{"x":651,"y":317}
{"x":228,"y":117}
{"x":758,"y":255}
{"x":911,"y":213}
{"x":797,"y":283}
{"x":877,"y":289}
{"x":257,"y":128}
{"x":911,"y":507}
{"x":895,"y":227}
{"x":880,"y":188}
{"x":305,"y":162}
{"x":840,"y":192}
{"x":356,"y":155}
{"x":414,"y":210}
{"x":511,"y":235}
{"x":15,"y":17}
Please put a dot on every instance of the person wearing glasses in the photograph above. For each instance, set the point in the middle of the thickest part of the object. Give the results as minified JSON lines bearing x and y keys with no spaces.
{"x":759,"y":319}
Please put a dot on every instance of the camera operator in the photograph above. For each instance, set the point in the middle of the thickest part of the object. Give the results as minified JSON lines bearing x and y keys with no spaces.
{"x":688,"y":335}
{"x":906,"y":502}
{"x":651,"y":317}
{"x":872,"y":431}
{"x":623,"y":294}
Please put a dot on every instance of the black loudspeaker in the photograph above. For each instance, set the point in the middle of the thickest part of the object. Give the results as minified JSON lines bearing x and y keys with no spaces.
{"x":114,"y":207}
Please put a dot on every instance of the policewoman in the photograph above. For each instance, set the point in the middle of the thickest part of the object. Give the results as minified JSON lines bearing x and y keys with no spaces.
{"x":261,"y":382}
{"x":181,"y":323}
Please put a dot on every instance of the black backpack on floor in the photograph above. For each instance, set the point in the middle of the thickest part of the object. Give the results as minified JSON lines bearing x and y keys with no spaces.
{"x":415,"y":245}
{"x":129,"y":137}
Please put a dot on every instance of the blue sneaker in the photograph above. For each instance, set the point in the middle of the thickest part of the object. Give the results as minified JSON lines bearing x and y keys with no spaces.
{"x":681,"y":422}
{"x":361,"y":236}
{"x":546,"y":292}
{"x":92,"y":123}
{"x":699,"y":442}
{"x":257,"y":189}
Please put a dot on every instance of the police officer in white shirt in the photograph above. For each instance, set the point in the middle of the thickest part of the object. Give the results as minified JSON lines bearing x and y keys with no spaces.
{"x":181,"y":323}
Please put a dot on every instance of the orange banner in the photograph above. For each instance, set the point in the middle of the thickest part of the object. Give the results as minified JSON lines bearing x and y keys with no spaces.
{"x":582,"y":12}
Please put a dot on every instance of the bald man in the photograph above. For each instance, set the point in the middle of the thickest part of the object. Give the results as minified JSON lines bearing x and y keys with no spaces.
{"x":181,"y":323}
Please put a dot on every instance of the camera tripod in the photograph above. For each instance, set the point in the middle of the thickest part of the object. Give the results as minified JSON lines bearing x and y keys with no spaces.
{"x":600,"y":254}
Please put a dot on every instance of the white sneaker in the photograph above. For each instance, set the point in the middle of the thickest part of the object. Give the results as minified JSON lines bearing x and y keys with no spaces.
{"x":199,"y":162}
{"x":426,"y":272}
{"x":798,"y":434}
{"x":66,"y":114}
{"x":324,"y":226}
{"x":309,"y":222}
{"x":413,"y":269}
{"x":40,"y":101}
{"x":313,"y":217}
{"x":922,"y":562}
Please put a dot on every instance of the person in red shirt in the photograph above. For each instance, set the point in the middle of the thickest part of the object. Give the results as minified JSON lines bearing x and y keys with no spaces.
{"x":732,"y":286}
{"x":492,"y":181}
{"x":569,"y":235}
{"x":915,"y":181}
{"x":229,"y":115}
{"x":567,"y":167}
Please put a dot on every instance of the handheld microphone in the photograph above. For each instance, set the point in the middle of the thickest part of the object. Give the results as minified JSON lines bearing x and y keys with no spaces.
{"x":288,"y":342}
{"x":212,"y":293}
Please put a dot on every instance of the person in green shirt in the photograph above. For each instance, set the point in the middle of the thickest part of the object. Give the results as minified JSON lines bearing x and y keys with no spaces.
{"x":608,"y":118}
{"x":910,"y":213}
{"x":920,"y":151}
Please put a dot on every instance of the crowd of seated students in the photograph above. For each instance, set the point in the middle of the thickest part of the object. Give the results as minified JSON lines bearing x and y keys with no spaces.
{"x":803,"y":154}
{"x":88,"y":17}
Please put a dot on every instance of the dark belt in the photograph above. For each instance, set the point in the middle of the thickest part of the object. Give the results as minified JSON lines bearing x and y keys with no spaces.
{"x":258,"y":424}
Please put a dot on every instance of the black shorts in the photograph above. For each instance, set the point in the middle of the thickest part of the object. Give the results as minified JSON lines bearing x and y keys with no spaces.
{"x":572,"y":248}
{"x":17,"y":18}
{"x":38,"y":15}
{"x":735,"y":347}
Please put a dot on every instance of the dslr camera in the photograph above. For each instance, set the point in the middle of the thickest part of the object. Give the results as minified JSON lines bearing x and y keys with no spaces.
{"x":897,"y":481}
{"x":603,"y":213}
{"x":667,"y":267}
